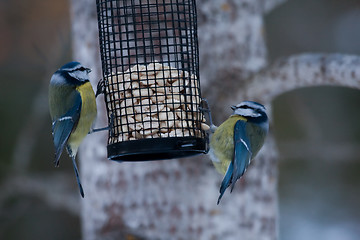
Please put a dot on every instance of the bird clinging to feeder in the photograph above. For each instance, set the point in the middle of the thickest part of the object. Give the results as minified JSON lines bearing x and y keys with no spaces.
{"x":237,"y":141}
{"x":72,"y":109}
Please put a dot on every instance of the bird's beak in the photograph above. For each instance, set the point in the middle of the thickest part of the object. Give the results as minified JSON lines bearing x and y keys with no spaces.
{"x":233,"y":107}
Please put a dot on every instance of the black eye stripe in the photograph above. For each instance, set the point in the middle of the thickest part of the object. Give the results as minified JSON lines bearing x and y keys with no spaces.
{"x":245,"y":107}
{"x":78,"y":69}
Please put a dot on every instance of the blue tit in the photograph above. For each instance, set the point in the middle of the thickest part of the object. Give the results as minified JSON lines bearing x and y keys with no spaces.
{"x":237,"y":141}
{"x":72,"y":109}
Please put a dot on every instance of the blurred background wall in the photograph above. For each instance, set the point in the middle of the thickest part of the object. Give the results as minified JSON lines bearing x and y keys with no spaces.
{"x":317,"y":129}
{"x":35,"y":40}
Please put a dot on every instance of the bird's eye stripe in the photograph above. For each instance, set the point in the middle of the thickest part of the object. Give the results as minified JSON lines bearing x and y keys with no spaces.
{"x":245,"y":107}
{"x":78,"y":69}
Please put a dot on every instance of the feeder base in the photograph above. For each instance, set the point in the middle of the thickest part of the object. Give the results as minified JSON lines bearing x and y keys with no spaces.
{"x":157,"y":149}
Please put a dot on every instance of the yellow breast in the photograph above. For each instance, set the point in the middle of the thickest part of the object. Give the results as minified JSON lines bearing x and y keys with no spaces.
{"x":222,"y":144}
{"x":87,"y":116}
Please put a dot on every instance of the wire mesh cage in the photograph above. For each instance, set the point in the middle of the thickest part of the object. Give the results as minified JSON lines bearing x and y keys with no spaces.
{"x":150,"y":64}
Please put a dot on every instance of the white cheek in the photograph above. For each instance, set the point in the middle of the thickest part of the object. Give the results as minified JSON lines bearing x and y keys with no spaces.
{"x":80,"y":75}
{"x":247,"y":112}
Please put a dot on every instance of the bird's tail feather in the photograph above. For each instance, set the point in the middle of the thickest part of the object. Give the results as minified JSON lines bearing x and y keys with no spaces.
{"x":77,"y":176}
{"x":226,"y":181}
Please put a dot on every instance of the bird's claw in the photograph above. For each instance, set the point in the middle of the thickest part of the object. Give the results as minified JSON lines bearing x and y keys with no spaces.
{"x":205,"y":108}
{"x":100,"y":89}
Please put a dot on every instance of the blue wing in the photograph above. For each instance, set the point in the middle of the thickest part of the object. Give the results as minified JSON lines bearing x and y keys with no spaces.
{"x":242,"y":157}
{"x":242,"y":152}
{"x":64,"y":125}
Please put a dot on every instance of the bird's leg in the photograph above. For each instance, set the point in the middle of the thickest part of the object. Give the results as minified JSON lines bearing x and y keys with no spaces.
{"x":77,"y":176}
{"x":206,"y":109}
{"x":100,"y":88}
{"x":98,"y":129}
{"x":105,"y":128}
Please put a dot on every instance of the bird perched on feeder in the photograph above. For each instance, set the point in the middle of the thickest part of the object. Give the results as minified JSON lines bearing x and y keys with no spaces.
{"x":237,"y":141}
{"x":72,"y":109}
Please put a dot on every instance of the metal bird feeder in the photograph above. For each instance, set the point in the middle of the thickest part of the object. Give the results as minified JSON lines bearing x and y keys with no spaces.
{"x":150,"y":66}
